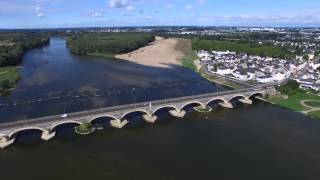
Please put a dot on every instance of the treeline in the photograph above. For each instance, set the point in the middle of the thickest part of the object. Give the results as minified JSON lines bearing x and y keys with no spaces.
{"x":107,"y":43}
{"x":251,"y":48}
{"x":14,"y":45}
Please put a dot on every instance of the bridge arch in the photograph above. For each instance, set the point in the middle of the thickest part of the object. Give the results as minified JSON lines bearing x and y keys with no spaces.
{"x":261,"y":94}
{"x":217,"y":99}
{"x":25,"y":129}
{"x":165,"y":107}
{"x":54,"y":127}
{"x":102,"y":116}
{"x":135,"y":111}
{"x":237,"y":96}
{"x":193,"y":102}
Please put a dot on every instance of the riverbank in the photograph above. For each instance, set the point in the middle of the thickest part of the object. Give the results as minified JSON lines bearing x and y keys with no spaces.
{"x":8,"y":78}
{"x":290,"y":96}
{"x":299,"y":102}
{"x":164,"y":52}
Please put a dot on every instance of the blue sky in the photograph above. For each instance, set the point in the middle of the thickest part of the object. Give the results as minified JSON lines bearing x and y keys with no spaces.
{"x":101,"y":13}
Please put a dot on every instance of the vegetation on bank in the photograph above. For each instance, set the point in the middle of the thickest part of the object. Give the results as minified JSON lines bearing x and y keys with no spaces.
{"x":107,"y":44}
{"x":189,"y":61}
{"x":203,"y":110}
{"x":184,"y":46}
{"x":252,"y":48}
{"x":85,"y":128}
{"x":14,"y":45}
{"x":12,"y":48}
{"x":292,"y":97}
{"x":8,"y":77}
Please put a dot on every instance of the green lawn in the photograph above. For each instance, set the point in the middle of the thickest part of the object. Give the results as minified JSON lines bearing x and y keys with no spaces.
{"x":315,"y":114}
{"x":293,"y":101}
{"x":9,"y":73}
{"x":188,"y":61}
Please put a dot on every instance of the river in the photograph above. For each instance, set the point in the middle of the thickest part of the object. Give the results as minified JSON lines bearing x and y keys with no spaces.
{"x":54,"y":81}
{"x":259,"y":141}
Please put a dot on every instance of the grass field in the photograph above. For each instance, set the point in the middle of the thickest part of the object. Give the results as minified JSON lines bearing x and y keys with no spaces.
{"x":188,"y":61}
{"x":294,"y":102}
{"x":9,"y":73}
{"x":8,"y":77}
{"x":185,"y":46}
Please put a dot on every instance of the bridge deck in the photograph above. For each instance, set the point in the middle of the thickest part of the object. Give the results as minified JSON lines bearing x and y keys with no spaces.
{"x":83,"y":116}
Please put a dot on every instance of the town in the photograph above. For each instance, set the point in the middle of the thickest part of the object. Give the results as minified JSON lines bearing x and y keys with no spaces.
{"x":257,"y":69}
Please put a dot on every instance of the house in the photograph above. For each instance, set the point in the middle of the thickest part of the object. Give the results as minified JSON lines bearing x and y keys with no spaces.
{"x":265,"y":79}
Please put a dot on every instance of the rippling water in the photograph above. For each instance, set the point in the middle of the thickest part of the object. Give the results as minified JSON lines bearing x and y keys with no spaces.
{"x":55,"y":81}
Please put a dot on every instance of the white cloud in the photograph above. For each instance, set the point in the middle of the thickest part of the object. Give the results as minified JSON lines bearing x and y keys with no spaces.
{"x":37,"y":8}
{"x":118,"y":3}
{"x":149,"y":17}
{"x":189,"y":7}
{"x":130,"y":8}
{"x":169,"y":6}
{"x":40,"y":15}
{"x":202,"y":1}
{"x":96,"y":13}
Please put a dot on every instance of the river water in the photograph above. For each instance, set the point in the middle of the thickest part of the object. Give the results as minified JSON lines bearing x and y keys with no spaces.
{"x":259,"y":141}
{"x":54,"y":81}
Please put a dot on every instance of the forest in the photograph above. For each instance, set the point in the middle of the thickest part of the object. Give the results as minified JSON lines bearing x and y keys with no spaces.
{"x":251,"y":48}
{"x":107,"y":44}
{"x":14,"y":45}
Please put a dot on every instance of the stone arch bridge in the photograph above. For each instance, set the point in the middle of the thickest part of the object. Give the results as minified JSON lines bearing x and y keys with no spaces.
{"x":117,"y":114}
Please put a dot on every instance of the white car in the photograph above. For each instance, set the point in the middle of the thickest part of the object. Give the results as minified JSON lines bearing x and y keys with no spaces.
{"x":64,"y":115}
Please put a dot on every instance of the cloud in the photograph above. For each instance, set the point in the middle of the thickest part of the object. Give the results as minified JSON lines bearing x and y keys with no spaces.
{"x":202,"y":1}
{"x":121,"y":4}
{"x":96,"y":13}
{"x":130,"y":8}
{"x":40,"y":15}
{"x":37,"y":8}
{"x":169,"y":6}
{"x":148,"y":17}
{"x":38,"y":11}
{"x":188,"y":7}
{"x":118,"y":3}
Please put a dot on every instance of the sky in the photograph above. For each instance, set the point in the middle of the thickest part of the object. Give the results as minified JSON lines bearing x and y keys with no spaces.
{"x":107,"y":13}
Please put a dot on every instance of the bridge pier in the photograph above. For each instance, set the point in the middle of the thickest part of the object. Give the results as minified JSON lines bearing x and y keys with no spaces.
{"x":5,"y":142}
{"x":179,"y":114}
{"x":245,"y":101}
{"x":47,"y":135}
{"x":226,"y":104}
{"x":150,"y":118}
{"x":117,"y":123}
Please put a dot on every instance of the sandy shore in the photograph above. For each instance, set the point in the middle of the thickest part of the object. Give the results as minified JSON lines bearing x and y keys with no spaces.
{"x":160,"y":53}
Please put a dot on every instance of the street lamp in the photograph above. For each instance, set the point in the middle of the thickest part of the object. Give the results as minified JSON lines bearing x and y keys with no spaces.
{"x":134,"y":99}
